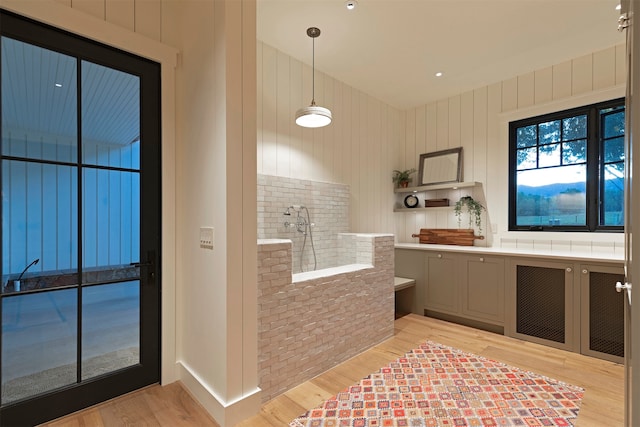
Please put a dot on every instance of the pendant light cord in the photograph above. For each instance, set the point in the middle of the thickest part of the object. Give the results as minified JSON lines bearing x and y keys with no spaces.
{"x":313,"y":71}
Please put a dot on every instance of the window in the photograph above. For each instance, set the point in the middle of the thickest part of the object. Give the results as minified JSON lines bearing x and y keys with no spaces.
{"x":566,"y":170}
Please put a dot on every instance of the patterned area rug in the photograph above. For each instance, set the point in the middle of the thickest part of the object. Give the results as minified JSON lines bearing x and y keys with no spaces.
{"x":435,"y":385}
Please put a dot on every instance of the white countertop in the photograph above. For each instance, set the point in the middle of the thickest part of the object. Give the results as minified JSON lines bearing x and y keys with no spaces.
{"x":529,"y":253}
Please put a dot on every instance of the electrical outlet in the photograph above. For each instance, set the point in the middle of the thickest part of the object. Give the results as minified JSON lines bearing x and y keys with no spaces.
{"x":206,"y":237}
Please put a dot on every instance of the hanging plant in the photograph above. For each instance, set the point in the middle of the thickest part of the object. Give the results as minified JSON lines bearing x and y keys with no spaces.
{"x":473,"y":207}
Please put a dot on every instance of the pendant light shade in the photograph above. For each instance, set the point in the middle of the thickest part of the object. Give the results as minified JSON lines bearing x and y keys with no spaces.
{"x":313,"y":116}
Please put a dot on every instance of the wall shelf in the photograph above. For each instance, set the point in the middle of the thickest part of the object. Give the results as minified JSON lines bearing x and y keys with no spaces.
{"x":445,"y":186}
{"x":433,"y":209}
{"x":399,"y":207}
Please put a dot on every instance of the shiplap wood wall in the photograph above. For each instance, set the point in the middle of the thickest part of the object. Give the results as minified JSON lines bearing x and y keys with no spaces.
{"x":141,"y":16}
{"x":359,"y":148}
{"x":474,"y":120}
{"x":368,"y":139}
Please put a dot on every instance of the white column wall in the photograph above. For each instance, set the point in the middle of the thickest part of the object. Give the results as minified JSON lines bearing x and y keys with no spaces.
{"x":216,"y":173}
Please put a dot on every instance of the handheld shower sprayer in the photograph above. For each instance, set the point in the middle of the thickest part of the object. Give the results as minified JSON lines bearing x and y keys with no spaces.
{"x":303,"y":225}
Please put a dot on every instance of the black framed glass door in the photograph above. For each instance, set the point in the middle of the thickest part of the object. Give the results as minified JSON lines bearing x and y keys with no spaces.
{"x":80,"y":210}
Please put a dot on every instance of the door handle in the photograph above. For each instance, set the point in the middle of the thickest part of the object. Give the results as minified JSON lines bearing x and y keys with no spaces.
{"x":142,"y":264}
{"x":624,"y":287}
{"x":151,"y":263}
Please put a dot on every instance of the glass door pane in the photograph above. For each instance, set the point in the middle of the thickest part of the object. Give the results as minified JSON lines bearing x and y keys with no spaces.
{"x":39,"y":337}
{"x":110,"y":327}
{"x":39,"y":221}
{"x":39,"y":109}
{"x":110,"y":219}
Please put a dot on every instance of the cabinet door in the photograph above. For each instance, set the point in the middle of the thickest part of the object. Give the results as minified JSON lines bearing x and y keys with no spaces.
{"x":482,"y":288}
{"x":441,"y":272}
{"x":542,"y":303}
{"x":602,"y":312}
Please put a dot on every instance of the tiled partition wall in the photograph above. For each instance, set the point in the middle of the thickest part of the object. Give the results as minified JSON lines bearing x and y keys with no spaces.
{"x":310,"y":326}
{"x":328,"y":205}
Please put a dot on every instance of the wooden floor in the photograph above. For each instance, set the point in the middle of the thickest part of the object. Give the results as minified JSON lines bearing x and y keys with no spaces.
{"x":171,"y":405}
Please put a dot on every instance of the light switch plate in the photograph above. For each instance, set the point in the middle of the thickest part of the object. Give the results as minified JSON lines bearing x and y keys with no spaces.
{"x":206,"y":237}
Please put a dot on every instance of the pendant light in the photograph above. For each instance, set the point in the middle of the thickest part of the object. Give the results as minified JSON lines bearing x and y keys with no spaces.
{"x":313,"y":116}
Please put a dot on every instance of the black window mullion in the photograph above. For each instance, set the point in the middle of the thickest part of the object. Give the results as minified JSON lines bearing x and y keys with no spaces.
{"x":593,"y":169}
{"x":513,"y":170}
{"x":1,"y":207}
{"x":80,"y":218}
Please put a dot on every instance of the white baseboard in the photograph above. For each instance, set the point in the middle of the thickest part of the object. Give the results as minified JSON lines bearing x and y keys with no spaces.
{"x":227,"y":414}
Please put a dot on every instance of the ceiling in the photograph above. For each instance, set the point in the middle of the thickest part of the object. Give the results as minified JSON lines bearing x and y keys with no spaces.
{"x":39,"y":99}
{"x":391,"y":49}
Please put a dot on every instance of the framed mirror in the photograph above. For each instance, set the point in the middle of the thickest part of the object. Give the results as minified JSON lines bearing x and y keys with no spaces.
{"x":440,"y":167}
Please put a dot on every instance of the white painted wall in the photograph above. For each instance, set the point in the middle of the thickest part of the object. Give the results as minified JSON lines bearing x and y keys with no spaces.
{"x":209,"y":300}
{"x":368,"y":139}
{"x":216,"y":164}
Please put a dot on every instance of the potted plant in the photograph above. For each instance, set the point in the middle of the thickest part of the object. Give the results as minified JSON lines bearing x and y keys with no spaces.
{"x":402,"y":178}
{"x":473,"y":207}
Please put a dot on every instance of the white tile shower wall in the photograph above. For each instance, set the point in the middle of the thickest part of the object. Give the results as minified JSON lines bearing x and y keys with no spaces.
{"x":328,"y":205}
{"x":308,"y":327}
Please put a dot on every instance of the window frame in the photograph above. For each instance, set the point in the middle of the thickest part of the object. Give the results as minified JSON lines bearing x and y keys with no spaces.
{"x":594,"y":163}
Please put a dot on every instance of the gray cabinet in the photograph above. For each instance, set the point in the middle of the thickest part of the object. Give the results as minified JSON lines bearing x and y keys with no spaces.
{"x":563,"y":303}
{"x":568,"y":305}
{"x":468,"y":288}
{"x":542,"y":304}
{"x":482,"y":288}
{"x":601,"y":312}
{"x":441,"y":271}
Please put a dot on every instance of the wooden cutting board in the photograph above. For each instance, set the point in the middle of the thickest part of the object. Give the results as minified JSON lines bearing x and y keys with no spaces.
{"x":447,"y":236}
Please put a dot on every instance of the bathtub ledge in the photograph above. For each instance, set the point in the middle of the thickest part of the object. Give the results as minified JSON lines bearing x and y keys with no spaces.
{"x":327,"y":272}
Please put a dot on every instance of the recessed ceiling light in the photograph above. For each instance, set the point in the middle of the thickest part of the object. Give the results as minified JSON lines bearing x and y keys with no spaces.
{"x":438,"y":74}
{"x":351,"y":4}
{"x":58,"y":84}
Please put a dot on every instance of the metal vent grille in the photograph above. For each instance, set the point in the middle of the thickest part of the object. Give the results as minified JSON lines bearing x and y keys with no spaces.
{"x":606,"y":314}
{"x":540,"y":302}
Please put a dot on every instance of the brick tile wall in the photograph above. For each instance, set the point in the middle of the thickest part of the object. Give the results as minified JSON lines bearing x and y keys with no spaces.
{"x":308,"y":327}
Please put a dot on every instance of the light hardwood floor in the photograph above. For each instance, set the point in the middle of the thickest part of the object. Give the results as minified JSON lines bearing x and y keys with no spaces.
{"x":171,"y":405}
